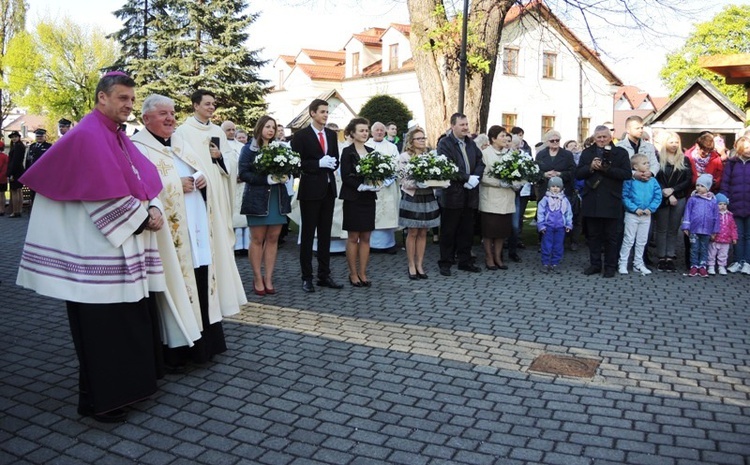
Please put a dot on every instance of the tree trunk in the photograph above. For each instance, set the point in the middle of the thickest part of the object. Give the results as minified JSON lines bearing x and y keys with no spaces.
{"x":438,"y":78}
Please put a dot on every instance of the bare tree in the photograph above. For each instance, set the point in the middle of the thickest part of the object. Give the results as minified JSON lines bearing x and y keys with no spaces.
{"x":12,"y":21}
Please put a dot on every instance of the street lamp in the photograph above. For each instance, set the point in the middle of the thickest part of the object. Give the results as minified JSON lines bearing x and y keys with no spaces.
{"x":462,"y":69}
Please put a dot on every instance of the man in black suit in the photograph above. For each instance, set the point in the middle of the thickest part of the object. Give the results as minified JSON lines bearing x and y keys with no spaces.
{"x":319,"y":152}
{"x":604,"y":167}
{"x":460,"y":200}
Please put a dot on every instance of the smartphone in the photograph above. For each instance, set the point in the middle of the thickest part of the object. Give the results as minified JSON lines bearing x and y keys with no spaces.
{"x":215,"y":141}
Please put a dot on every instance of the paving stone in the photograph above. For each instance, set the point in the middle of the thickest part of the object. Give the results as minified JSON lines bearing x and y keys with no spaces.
{"x":316,"y":380}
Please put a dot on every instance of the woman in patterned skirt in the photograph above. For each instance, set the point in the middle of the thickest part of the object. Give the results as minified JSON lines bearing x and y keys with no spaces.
{"x":418,"y":210}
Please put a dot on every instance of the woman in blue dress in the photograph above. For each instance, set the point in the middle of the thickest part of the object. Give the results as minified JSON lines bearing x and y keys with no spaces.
{"x":266,"y":203}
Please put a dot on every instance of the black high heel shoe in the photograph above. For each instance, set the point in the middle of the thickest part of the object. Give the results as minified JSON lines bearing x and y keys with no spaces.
{"x":357,"y":284}
{"x":412,"y":276}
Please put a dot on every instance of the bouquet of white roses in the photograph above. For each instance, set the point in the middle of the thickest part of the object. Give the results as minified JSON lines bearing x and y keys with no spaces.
{"x":277,"y":160}
{"x":430,"y":167}
{"x":515,"y":167}
{"x":376,"y":167}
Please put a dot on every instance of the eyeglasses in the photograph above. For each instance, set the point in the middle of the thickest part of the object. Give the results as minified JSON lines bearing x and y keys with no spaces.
{"x":554,"y":140}
{"x":420,"y":138}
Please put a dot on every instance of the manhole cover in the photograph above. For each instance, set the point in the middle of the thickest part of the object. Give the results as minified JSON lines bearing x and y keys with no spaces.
{"x":565,"y":365}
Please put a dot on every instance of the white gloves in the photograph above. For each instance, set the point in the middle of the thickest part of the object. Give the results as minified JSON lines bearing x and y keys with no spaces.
{"x":273,"y":180}
{"x":365,"y":187}
{"x":472,"y":182}
{"x":422,"y":185}
{"x":327,"y":162}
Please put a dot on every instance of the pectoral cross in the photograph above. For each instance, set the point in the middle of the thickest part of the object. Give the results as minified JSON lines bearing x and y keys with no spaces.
{"x":164,"y":167}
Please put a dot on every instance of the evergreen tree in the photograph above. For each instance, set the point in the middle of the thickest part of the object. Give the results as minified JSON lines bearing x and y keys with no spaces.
{"x":139,"y":18}
{"x":194,"y":44}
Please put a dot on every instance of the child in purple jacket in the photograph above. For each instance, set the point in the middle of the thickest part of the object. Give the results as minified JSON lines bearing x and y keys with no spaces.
{"x":554,"y":218}
{"x":701,"y":223}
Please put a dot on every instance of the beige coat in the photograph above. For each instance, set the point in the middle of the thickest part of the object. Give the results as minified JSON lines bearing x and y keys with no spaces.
{"x":494,"y":195}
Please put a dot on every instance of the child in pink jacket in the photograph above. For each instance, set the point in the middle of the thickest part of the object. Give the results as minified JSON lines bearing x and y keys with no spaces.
{"x":718,"y":249}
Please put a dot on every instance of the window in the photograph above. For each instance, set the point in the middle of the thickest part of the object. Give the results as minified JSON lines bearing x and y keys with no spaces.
{"x":585,"y":129}
{"x":393,"y":57}
{"x":548,"y":123}
{"x":355,"y":64}
{"x":509,"y":121}
{"x":549,"y":65}
{"x":510,"y":61}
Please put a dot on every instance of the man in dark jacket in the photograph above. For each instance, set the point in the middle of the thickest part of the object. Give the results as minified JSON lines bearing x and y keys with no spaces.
{"x":16,"y":156}
{"x":604,"y":168}
{"x":460,"y":200}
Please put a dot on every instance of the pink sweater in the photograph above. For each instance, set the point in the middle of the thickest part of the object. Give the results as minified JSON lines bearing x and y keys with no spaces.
{"x":727,"y":228}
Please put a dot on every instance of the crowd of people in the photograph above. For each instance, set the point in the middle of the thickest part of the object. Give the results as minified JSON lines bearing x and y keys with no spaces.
{"x":143,"y":254}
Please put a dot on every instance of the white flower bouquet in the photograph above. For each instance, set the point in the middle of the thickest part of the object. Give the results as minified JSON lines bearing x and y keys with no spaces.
{"x":376,"y":168}
{"x":277,"y":160}
{"x":432,"y":168}
{"x":515,"y":167}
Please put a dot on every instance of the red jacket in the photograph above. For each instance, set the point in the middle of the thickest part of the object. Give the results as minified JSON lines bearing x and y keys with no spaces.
{"x":715,"y":167}
{"x":3,"y":168}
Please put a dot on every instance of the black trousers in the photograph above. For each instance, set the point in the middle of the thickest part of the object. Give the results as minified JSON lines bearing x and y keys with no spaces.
{"x":316,"y":215}
{"x":212,"y":340}
{"x":603,"y":232}
{"x":456,"y":234}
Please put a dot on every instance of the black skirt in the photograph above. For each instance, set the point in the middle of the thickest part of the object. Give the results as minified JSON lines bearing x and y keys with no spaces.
{"x":118,"y":352}
{"x":496,"y":226}
{"x":359,"y":215}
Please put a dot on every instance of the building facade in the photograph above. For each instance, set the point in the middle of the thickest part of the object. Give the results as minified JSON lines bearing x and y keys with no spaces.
{"x":546,"y":77}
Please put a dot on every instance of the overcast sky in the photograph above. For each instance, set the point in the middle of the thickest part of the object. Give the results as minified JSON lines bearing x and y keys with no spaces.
{"x":286,"y":26}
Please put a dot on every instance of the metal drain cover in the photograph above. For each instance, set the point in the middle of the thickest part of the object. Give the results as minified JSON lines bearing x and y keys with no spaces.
{"x":565,"y":365}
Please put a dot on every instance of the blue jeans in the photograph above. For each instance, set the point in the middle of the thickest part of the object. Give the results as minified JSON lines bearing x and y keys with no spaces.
{"x":742,"y":248}
{"x":553,"y":244}
{"x":699,"y":249}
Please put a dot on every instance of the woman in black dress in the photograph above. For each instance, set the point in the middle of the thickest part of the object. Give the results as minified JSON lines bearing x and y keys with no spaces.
{"x":359,"y":203}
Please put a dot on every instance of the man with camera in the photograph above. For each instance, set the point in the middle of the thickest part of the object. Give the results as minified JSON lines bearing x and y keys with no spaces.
{"x":604,"y":168}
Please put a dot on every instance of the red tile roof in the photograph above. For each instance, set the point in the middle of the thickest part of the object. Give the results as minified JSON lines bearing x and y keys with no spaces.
{"x":325,"y":73}
{"x":325,"y":55}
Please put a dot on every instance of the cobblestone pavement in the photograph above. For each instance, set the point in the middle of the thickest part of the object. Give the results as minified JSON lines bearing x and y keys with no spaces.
{"x":410,"y":372}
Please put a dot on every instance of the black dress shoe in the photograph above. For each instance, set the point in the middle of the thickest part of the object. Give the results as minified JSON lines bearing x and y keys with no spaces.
{"x":357,"y":284}
{"x":609,"y":273}
{"x":502,"y":267}
{"x":470,"y":268}
{"x":307,"y":285}
{"x":412,"y":276}
{"x":515,"y":257}
{"x":113,"y":416}
{"x":422,"y":275}
{"x":491,"y":267}
{"x":592,"y":270}
{"x":445,"y":271}
{"x":329,"y":282}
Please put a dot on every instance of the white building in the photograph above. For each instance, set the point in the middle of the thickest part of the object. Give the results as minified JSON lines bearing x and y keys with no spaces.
{"x":546,"y":76}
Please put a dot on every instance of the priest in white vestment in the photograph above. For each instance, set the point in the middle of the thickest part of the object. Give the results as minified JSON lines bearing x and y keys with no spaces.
{"x":383,"y":238}
{"x":210,"y":144}
{"x":239,"y":222}
{"x":202,"y":277}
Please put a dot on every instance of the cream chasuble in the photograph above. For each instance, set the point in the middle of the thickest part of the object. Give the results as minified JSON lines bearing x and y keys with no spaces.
{"x":226,"y":293}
